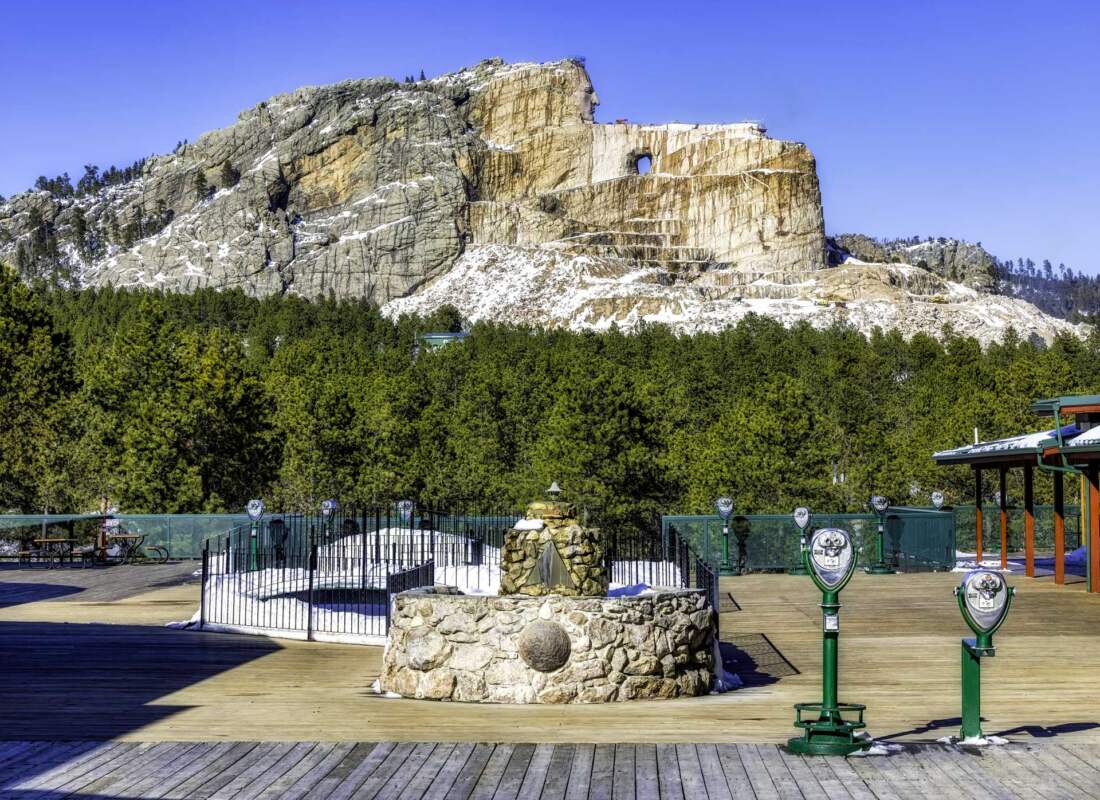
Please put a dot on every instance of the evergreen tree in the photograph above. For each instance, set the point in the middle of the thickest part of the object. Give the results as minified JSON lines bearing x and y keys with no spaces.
{"x":199,"y":184}
{"x":230,"y":175}
{"x":35,"y":375}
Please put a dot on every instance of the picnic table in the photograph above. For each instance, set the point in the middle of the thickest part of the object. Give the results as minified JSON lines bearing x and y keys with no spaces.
{"x":130,"y":544}
{"x":61,"y":546}
{"x":133,"y":549}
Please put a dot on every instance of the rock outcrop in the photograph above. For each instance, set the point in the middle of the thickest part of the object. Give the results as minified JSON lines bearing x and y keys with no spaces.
{"x":952,"y":259}
{"x":537,"y":286}
{"x":494,"y":190}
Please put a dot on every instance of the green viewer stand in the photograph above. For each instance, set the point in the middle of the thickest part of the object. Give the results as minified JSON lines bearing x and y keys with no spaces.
{"x":829,"y":728}
{"x":984,"y":599}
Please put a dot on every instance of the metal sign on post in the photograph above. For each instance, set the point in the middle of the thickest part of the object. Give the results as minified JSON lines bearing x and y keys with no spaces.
{"x":830,"y":560}
{"x":328,"y":509}
{"x":255,"y":509}
{"x":984,"y":598}
{"x":802,"y":518}
{"x":724,"y":506}
{"x":881,"y":505}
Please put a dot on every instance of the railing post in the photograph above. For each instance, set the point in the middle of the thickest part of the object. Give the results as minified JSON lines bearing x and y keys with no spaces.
{"x":205,"y":576}
{"x":377,"y":534}
{"x":363,"y":561}
{"x":391,"y":587}
{"x":309,"y":594}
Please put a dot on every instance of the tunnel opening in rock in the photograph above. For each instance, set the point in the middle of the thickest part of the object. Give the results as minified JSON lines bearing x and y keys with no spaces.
{"x":643,"y":163}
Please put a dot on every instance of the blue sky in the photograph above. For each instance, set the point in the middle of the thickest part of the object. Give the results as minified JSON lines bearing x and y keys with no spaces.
{"x":971,"y":119}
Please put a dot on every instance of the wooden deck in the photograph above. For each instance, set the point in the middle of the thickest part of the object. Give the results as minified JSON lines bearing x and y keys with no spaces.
{"x":89,"y":584}
{"x":128,"y":678}
{"x":450,"y":771}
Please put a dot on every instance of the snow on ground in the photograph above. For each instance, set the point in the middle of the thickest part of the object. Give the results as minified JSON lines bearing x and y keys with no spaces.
{"x":965,"y":562}
{"x":546,"y":286}
{"x":972,"y":741}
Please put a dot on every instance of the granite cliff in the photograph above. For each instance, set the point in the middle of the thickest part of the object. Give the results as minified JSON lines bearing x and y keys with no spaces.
{"x":494,"y":190}
{"x":952,"y":259}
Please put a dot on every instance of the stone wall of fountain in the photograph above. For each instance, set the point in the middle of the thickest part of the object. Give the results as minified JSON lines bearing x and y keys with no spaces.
{"x":552,"y":635}
{"x":553,"y":649}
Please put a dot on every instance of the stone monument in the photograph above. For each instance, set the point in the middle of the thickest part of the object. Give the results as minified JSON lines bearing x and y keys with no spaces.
{"x":553,"y":635}
{"x":550,"y":552}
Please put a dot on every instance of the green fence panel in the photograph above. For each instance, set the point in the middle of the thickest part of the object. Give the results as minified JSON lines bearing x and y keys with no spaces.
{"x":991,"y":528}
{"x":915,"y":539}
{"x":181,"y":534}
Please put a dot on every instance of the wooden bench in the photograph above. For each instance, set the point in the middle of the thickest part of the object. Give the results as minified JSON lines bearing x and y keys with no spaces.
{"x":22,"y":556}
{"x":88,"y":556}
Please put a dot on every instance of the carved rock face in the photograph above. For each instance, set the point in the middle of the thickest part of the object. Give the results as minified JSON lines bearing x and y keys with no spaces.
{"x":544,"y":645}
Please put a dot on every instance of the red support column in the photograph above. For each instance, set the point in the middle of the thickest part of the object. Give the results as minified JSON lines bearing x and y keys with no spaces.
{"x":978,"y":514}
{"x":1004,"y":518}
{"x":1029,"y":521}
{"x":1059,"y":530}
{"x":1094,"y":529}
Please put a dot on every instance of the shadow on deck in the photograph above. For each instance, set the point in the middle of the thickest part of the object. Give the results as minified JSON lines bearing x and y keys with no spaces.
{"x":95,"y":682}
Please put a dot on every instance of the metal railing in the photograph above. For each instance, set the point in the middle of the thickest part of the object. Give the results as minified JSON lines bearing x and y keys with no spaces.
{"x":309,"y":577}
{"x":313,"y":593}
{"x":312,"y":576}
{"x":668,"y":561}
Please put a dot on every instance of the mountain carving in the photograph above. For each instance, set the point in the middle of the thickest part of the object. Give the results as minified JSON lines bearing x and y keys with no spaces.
{"x":493,"y":189}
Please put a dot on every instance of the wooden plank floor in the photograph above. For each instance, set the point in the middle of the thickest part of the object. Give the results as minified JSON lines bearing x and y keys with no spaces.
{"x":118,"y":679}
{"x":92,"y":584}
{"x":448,"y":771}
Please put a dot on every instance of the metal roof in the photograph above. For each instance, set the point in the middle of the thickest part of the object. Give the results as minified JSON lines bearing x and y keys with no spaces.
{"x":1087,"y":442}
{"x":1067,"y":403}
{"x":1013,"y":448}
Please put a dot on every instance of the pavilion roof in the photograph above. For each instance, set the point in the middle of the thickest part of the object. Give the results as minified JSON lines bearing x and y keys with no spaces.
{"x":1087,"y":442}
{"x":1066,"y":404}
{"x":1013,"y":449}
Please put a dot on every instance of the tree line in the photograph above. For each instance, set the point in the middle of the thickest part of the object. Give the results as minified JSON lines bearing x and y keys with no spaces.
{"x":1058,"y":291}
{"x":171,"y":403}
{"x":91,"y":181}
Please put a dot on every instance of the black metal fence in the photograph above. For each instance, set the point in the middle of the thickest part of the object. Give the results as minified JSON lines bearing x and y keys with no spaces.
{"x":646,"y":558}
{"x":316,"y":577}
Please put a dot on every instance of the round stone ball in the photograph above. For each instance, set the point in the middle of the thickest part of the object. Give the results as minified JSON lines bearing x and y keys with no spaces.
{"x":544,"y":645}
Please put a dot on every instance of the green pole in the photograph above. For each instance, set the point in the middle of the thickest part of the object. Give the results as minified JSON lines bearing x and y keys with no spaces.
{"x":880,"y":567}
{"x":971,"y":692}
{"x":726,"y":547}
{"x":973,"y":650}
{"x":252,"y":545}
{"x":799,"y":567}
{"x":829,"y":648}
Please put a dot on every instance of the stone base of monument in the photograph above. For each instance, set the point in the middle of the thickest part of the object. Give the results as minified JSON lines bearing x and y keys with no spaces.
{"x":551,"y":649}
